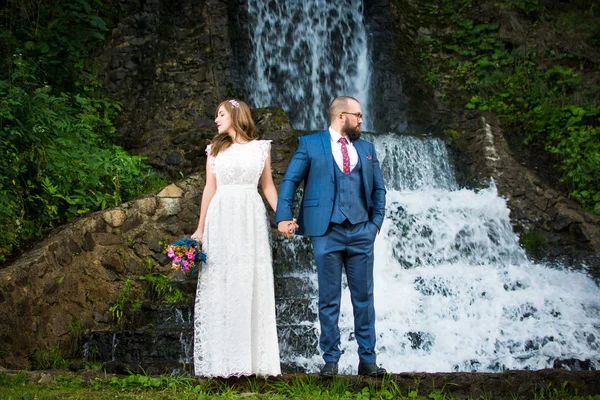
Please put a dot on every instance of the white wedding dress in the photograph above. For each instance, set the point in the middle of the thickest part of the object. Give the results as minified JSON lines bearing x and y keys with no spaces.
{"x":235,"y":330}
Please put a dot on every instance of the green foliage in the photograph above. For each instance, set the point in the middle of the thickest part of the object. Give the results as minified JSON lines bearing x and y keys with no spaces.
{"x":533,"y":242}
{"x":562,"y":391}
{"x":146,"y":382}
{"x":528,"y":7}
{"x":68,"y":380}
{"x":181,"y":387}
{"x":57,"y":160}
{"x":535,"y":91}
{"x":75,"y":342}
{"x":91,"y":357}
{"x":58,"y":35}
{"x":123,"y":302}
{"x":46,"y":359}
{"x":537,"y":101}
{"x":17,"y":380}
{"x":161,"y":288}
{"x":573,"y":134}
{"x":451,"y":133}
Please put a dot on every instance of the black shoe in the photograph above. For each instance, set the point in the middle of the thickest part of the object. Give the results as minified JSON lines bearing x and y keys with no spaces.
{"x":329,"y":370}
{"x":371,"y":369}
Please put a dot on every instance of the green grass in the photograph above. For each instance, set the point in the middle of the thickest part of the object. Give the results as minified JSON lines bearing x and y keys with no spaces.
{"x":23,"y":386}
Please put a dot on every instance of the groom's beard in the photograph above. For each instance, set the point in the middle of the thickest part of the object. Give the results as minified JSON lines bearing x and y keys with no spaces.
{"x":352,"y":132}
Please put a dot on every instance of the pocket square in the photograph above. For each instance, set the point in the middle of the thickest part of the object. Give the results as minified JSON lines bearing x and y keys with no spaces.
{"x":369,"y":157}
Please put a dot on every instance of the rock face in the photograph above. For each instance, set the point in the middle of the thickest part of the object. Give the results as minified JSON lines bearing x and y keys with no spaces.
{"x":571,"y":235}
{"x":169,"y":63}
{"x":76,"y":274}
{"x":388,"y":100}
{"x":398,"y":70}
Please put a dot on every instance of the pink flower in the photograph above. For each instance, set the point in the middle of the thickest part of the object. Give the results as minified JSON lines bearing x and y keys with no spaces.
{"x":185,"y":265}
{"x":190,"y":254}
{"x":170,"y":252}
{"x":176,"y":259}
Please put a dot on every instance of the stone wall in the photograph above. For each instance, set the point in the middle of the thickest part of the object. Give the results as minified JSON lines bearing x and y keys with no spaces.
{"x":78,"y":271}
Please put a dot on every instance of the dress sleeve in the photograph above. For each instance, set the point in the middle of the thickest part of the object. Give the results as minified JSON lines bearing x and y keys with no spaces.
{"x":265,"y":150}
{"x":211,"y":160}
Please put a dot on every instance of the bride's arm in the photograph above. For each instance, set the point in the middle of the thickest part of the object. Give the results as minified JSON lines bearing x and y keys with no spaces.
{"x":267,"y":184}
{"x":210,"y":189}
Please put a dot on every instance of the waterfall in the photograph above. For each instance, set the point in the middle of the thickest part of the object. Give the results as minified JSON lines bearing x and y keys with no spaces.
{"x":305,"y":53}
{"x":454,"y":291}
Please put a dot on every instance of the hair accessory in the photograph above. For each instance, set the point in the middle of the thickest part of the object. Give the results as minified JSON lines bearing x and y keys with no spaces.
{"x":234,"y":103}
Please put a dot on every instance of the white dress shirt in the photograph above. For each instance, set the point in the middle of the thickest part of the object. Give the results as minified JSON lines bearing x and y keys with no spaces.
{"x":336,"y":149}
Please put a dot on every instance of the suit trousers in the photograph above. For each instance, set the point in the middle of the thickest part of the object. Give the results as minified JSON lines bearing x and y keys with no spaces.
{"x":349,"y":247}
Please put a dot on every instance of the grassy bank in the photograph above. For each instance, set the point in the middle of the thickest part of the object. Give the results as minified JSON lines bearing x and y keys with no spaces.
{"x":98,"y":385}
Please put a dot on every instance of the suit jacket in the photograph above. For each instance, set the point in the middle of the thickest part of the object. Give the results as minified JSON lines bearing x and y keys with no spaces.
{"x":313,"y":163}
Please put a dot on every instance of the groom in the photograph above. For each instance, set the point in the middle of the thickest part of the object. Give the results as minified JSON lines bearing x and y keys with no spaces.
{"x":342,"y":211}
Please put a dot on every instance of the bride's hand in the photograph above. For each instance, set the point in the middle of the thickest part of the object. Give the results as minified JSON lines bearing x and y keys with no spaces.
{"x":197,"y":236}
{"x":292,"y":226}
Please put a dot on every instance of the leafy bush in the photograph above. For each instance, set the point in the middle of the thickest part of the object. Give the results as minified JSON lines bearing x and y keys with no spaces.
{"x":535,"y":91}
{"x":161,"y":288}
{"x":126,"y":300}
{"x":57,"y":159}
{"x":46,"y":359}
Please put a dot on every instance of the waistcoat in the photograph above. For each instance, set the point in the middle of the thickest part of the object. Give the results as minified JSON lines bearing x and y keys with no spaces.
{"x":350,"y":200}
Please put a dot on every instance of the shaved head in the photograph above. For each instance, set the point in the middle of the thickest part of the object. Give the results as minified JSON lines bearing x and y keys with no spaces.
{"x":340,"y":104}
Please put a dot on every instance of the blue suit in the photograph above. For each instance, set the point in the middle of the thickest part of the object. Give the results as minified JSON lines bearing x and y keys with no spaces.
{"x":338,"y":246}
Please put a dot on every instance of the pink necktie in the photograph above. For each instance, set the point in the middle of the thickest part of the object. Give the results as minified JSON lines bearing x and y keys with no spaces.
{"x":345,"y":156}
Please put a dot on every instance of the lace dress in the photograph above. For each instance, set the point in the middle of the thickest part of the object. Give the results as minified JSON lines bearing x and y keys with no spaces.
{"x":234,"y":318}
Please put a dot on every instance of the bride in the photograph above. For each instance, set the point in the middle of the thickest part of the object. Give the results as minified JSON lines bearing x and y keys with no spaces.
{"x":235,"y":330}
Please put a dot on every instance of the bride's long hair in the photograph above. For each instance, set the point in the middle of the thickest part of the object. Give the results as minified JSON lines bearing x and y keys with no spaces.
{"x":241,"y":121}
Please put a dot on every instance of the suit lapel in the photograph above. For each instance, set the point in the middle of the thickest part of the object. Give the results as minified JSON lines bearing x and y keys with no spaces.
{"x":362,"y":157}
{"x":326,"y":139}
{"x":359,"y":149}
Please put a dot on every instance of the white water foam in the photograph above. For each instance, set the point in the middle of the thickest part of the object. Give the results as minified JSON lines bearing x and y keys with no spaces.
{"x":454,"y":291}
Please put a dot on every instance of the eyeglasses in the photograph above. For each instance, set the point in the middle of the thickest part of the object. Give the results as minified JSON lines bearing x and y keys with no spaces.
{"x":357,"y":114}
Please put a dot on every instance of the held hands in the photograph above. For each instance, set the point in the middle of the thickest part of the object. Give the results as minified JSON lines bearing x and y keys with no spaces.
{"x":287,"y":228}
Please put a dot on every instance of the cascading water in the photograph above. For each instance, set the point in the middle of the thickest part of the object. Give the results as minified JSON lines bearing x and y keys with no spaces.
{"x":454,"y":291}
{"x":305,"y":53}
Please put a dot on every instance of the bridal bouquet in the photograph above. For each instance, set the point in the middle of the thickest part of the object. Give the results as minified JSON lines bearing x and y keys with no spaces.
{"x":186,"y":255}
